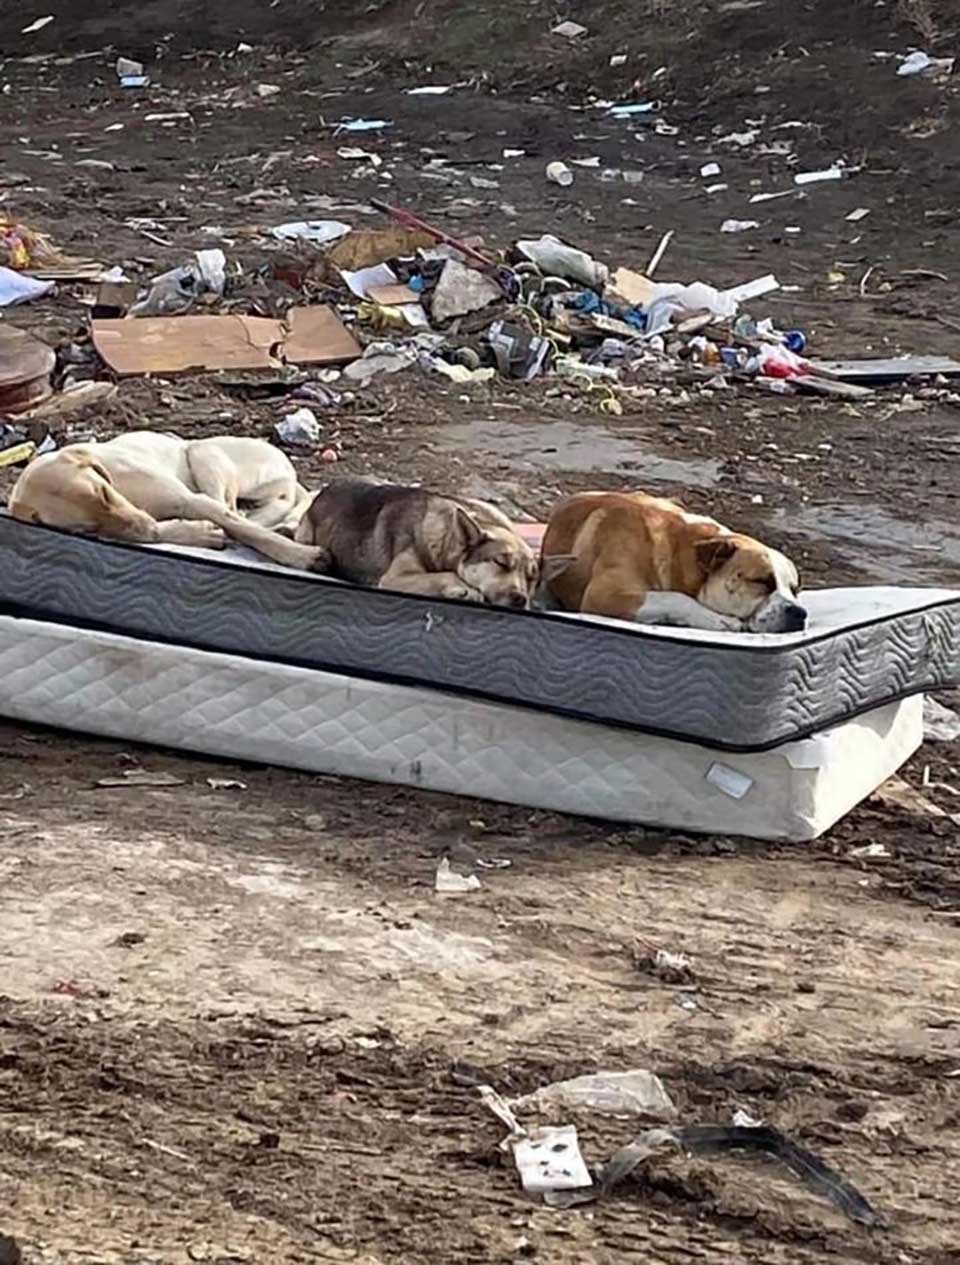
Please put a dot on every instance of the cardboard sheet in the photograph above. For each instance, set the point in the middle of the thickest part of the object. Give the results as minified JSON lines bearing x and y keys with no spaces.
{"x":393,"y":295}
{"x":317,"y":336}
{"x":633,"y":288}
{"x":177,"y":344}
{"x":367,"y":246}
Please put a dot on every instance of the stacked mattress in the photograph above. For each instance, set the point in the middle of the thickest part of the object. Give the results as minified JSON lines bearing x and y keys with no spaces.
{"x":770,"y":735}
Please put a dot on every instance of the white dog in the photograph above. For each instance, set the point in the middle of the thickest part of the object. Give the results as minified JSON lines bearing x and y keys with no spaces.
{"x":148,"y":488}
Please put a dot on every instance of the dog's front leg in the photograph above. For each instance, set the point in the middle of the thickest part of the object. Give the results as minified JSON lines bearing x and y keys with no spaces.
{"x":429,"y":584}
{"x":677,"y":610}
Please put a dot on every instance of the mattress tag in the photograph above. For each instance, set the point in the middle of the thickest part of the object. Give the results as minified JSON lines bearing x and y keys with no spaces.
{"x":731,"y":781}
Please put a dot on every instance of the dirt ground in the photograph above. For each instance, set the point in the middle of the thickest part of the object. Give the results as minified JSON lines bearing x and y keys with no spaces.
{"x":238,"y":1024}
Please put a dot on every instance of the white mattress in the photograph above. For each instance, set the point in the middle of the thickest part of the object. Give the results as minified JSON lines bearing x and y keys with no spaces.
{"x":305,"y":718}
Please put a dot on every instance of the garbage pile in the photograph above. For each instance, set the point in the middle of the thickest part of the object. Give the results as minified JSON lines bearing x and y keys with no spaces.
{"x":544,"y":308}
{"x":333,"y":304}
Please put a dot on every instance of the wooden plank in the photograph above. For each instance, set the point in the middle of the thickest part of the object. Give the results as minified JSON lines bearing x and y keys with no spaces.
{"x":895,"y":369}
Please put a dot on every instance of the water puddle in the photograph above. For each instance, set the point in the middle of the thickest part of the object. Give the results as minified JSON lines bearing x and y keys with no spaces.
{"x":882,"y":544}
{"x":569,"y":446}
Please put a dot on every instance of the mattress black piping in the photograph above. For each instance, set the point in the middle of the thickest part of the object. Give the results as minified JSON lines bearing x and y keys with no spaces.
{"x":16,"y":611}
{"x":483,"y":611}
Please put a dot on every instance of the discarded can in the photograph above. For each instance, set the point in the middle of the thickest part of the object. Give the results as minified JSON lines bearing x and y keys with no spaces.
{"x":735,"y":357}
{"x":795,"y":340}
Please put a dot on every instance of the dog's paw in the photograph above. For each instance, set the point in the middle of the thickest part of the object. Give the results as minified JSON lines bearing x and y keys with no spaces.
{"x":200,"y":535}
{"x":729,"y":623}
{"x":321,"y":564}
{"x":463,"y":593}
{"x":209,"y":536}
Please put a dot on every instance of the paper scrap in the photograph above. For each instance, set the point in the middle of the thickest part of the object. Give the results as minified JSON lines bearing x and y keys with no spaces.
{"x":549,"y":1159}
{"x":813,"y":177}
{"x":755,"y":289}
{"x":362,"y":125}
{"x":363,"y":280}
{"x":449,"y":883}
{"x":738,"y":226}
{"x":770,"y":197}
{"x":570,"y":30}
{"x":627,"y":111}
{"x":38,"y":25}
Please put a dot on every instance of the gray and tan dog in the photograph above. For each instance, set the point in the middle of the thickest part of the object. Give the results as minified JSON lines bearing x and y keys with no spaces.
{"x":146,"y":487}
{"x":415,"y":541}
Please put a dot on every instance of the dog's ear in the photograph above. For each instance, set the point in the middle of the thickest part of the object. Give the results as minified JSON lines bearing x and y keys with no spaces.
{"x":712,"y":554}
{"x":473,"y":533}
{"x":555,"y":565}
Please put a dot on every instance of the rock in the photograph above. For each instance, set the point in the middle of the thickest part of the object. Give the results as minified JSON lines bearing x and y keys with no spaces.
{"x":461,"y":290}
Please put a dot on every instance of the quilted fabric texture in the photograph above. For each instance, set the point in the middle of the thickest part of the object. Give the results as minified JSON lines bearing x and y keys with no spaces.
{"x":865,"y":647}
{"x":195,"y":700}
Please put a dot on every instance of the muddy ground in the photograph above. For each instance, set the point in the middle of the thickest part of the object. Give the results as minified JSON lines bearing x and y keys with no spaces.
{"x":238,"y":1024}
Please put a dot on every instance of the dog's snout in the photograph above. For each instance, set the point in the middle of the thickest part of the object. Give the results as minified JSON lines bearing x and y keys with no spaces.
{"x":518,"y":600}
{"x":794,"y":618}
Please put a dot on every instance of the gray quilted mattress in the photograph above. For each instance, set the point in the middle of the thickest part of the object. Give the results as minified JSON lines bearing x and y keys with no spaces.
{"x":863,"y":647}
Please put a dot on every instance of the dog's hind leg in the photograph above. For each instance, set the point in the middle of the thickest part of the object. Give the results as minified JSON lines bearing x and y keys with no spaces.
{"x":123,"y":521}
{"x":79,"y":496}
{"x":273,"y":504}
{"x":169,"y":499}
{"x":213,"y":474}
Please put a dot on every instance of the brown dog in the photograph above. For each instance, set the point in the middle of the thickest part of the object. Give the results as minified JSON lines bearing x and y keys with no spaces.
{"x":415,"y":541}
{"x":630,"y":556}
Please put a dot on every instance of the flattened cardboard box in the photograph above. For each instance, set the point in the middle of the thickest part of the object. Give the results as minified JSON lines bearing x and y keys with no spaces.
{"x":178,"y":344}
